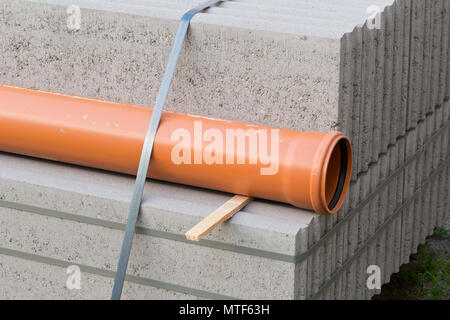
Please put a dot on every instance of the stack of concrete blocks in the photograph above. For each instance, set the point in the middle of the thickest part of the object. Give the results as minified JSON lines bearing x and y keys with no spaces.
{"x":302,"y":65}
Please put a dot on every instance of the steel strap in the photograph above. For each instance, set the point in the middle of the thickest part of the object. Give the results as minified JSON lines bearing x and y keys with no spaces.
{"x":148,"y":146}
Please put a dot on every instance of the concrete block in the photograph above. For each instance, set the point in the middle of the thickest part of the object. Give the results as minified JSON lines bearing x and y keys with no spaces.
{"x":385,"y":101}
{"x":296,"y":74}
{"x":121,"y":50}
{"x":287,"y":70}
{"x":399,"y":54}
{"x":386,"y":202}
{"x":363,"y":258}
{"x":25,"y":279}
{"x":211,"y":270}
{"x":406,"y":53}
{"x":416,"y":61}
{"x":93,"y":194}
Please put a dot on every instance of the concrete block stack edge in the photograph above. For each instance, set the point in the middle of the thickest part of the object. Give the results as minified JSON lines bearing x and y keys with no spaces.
{"x":392,"y":77}
{"x":301,"y":80}
{"x":407,"y":229}
{"x":41,"y":232}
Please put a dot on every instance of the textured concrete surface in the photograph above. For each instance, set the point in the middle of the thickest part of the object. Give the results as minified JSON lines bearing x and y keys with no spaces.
{"x":25,"y":279}
{"x":174,"y":262}
{"x":98,"y":213}
{"x":325,"y":19}
{"x":428,"y":211}
{"x":386,"y":88}
{"x":388,"y":84}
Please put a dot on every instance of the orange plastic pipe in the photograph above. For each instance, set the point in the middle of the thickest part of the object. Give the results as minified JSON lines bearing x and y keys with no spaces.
{"x":306,"y":169}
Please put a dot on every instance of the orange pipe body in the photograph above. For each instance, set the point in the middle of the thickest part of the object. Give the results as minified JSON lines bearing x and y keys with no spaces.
{"x":306,"y":169}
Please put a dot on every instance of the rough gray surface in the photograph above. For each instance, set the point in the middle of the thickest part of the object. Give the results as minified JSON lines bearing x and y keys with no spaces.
{"x":292,"y":231}
{"x":387,"y":99}
{"x":326,"y":19}
{"x":287,"y":80}
{"x":302,"y":78}
{"x":24,"y":279}
{"x":173,"y":262}
{"x":166,"y":207}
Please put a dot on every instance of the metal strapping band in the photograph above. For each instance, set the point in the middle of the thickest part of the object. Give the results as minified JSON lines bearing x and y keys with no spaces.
{"x":148,"y":145}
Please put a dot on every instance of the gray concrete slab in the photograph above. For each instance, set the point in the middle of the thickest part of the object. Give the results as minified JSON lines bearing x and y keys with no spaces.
{"x":436,"y":56}
{"x":416,"y":61}
{"x":297,"y":75}
{"x":378,"y":136}
{"x":403,"y":120}
{"x":171,"y":262}
{"x":357,"y":53}
{"x":398,"y":74}
{"x":367,"y":100}
{"x":427,"y":46}
{"x":420,"y":175}
{"x":384,"y":204}
{"x":291,"y":77}
{"x":387,"y":109}
{"x":362,"y":259}
{"x":129,"y":59}
{"x":444,"y":71}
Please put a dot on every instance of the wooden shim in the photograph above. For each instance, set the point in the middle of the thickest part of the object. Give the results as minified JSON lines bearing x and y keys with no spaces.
{"x":221,"y":214}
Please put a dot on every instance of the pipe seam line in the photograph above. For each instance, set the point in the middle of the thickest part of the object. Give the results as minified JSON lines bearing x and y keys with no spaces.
{"x":147,"y":149}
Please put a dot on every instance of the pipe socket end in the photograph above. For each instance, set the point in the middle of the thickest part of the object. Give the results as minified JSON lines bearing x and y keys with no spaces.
{"x":331,"y":173}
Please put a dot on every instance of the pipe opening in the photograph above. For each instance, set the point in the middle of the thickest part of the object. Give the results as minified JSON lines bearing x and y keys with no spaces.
{"x":336,"y":174}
